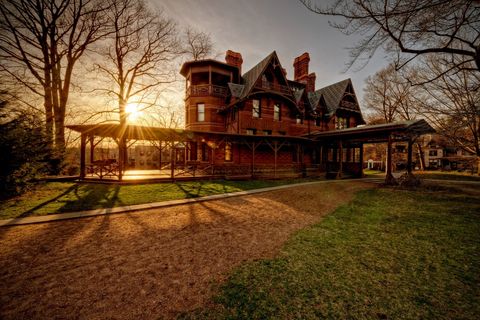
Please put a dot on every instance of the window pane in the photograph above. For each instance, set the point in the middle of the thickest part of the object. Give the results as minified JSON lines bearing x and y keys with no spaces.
{"x":228,"y":151}
{"x":256,"y":108}
{"x":276,"y":112}
{"x":200,"y":112}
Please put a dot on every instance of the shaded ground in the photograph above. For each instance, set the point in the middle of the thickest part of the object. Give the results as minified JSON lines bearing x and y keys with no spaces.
{"x":150,"y":264}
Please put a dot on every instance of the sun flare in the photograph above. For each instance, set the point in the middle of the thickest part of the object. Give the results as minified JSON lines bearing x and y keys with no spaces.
{"x":133,"y":111}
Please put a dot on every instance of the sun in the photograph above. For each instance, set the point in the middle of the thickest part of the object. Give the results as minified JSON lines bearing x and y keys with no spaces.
{"x":133,"y":111}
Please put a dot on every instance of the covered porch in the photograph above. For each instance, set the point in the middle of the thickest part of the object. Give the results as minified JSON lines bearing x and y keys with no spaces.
{"x":178,"y":154}
{"x":343,"y":149}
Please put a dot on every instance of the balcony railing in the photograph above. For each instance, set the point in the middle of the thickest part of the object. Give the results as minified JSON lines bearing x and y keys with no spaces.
{"x":267,"y":85}
{"x":348,"y":105}
{"x":207,"y":90}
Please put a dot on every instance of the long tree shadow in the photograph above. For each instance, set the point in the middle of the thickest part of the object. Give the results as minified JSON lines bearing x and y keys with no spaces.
{"x":31,"y":211}
{"x":93,"y":197}
{"x":81,"y":197}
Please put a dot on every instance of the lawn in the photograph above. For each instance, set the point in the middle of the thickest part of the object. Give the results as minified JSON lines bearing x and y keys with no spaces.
{"x":59,"y":197}
{"x":388,"y":254}
{"x":448,"y":175}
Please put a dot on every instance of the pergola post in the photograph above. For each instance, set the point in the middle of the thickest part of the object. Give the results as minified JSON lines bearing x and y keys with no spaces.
{"x":361,"y":160}
{"x":122,"y":145}
{"x":340,"y":160}
{"x":92,"y":148}
{"x":254,"y":146}
{"x":409,"y":157}
{"x":172,"y":162}
{"x":389,"y":179}
{"x":275,"y":159}
{"x":83,"y":144}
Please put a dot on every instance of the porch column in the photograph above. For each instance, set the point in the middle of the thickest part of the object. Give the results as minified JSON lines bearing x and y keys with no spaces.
{"x":121,"y":157}
{"x":389,"y":179}
{"x":83,"y":143}
{"x":361,"y":160}
{"x":275,"y":159}
{"x":160,"y":155}
{"x":172,"y":162}
{"x":340,"y":160}
{"x":92,"y":147}
{"x":213,"y":159}
{"x":253,"y":158}
{"x":409,"y":156}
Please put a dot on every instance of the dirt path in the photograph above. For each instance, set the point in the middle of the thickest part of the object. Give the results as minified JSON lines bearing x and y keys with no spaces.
{"x":149,"y":264}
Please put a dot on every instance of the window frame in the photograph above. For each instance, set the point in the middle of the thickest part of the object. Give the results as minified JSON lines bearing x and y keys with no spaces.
{"x":201,"y":106}
{"x":277,"y":112}
{"x":256,"y":111}
{"x":228,"y":152}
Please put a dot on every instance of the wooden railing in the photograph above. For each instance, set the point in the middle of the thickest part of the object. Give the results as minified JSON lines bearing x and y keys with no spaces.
{"x":267,"y":85}
{"x":266,"y":124}
{"x":207,"y":90}
{"x":348,"y":105}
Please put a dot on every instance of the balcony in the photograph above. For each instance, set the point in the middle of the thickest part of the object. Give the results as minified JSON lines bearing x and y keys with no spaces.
{"x":348,"y":105}
{"x":267,"y":85}
{"x":203,"y":90}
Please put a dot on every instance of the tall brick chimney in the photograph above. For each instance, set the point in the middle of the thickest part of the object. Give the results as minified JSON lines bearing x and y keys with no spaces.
{"x":234,"y":59}
{"x":300,"y":66}
{"x":300,"y":74}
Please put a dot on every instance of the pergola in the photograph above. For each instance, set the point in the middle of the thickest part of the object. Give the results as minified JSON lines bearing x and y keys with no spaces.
{"x":402,"y":131}
{"x":340,"y":141}
{"x":171,"y":138}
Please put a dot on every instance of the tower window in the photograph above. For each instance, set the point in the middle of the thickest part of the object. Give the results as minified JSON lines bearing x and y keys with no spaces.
{"x":276,"y":112}
{"x":256,"y":110}
{"x":200,"y":112}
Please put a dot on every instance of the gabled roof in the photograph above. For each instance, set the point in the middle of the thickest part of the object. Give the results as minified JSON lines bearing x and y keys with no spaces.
{"x":242,"y":91}
{"x":333,"y":95}
{"x":251,"y":76}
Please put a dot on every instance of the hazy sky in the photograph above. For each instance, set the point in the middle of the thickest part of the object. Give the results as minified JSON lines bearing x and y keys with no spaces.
{"x":257,"y":27}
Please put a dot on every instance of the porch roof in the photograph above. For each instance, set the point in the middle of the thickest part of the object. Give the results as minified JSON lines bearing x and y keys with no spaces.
{"x":400,"y":131}
{"x":135,"y":132}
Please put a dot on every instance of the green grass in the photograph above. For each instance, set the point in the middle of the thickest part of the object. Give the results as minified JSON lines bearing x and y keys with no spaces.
{"x":369,"y":172}
{"x":450,"y":175}
{"x":389,"y":254}
{"x":58,"y":197}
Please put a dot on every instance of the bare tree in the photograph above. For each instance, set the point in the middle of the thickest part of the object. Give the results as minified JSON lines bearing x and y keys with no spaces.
{"x":197,"y":45}
{"x":138,"y":52}
{"x":40,"y":43}
{"x":137,"y":56}
{"x":452,"y":104}
{"x":410,"y":28}
{"x":389,"y":96}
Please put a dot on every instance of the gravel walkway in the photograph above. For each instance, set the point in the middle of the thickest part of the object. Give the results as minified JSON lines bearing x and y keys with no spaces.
{"x":149,"y":264}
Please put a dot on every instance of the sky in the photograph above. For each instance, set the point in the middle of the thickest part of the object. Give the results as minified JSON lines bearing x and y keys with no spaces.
{"x":255,"y":28}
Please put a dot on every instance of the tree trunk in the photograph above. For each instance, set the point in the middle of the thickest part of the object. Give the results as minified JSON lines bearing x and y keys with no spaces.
{"x":421,"y":156}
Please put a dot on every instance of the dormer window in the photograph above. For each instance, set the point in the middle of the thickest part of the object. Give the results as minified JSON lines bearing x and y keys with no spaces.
{"x":256,"y":108}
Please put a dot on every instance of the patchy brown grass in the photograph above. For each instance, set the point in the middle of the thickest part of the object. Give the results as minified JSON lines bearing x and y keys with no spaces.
{"x":150,"y":264}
